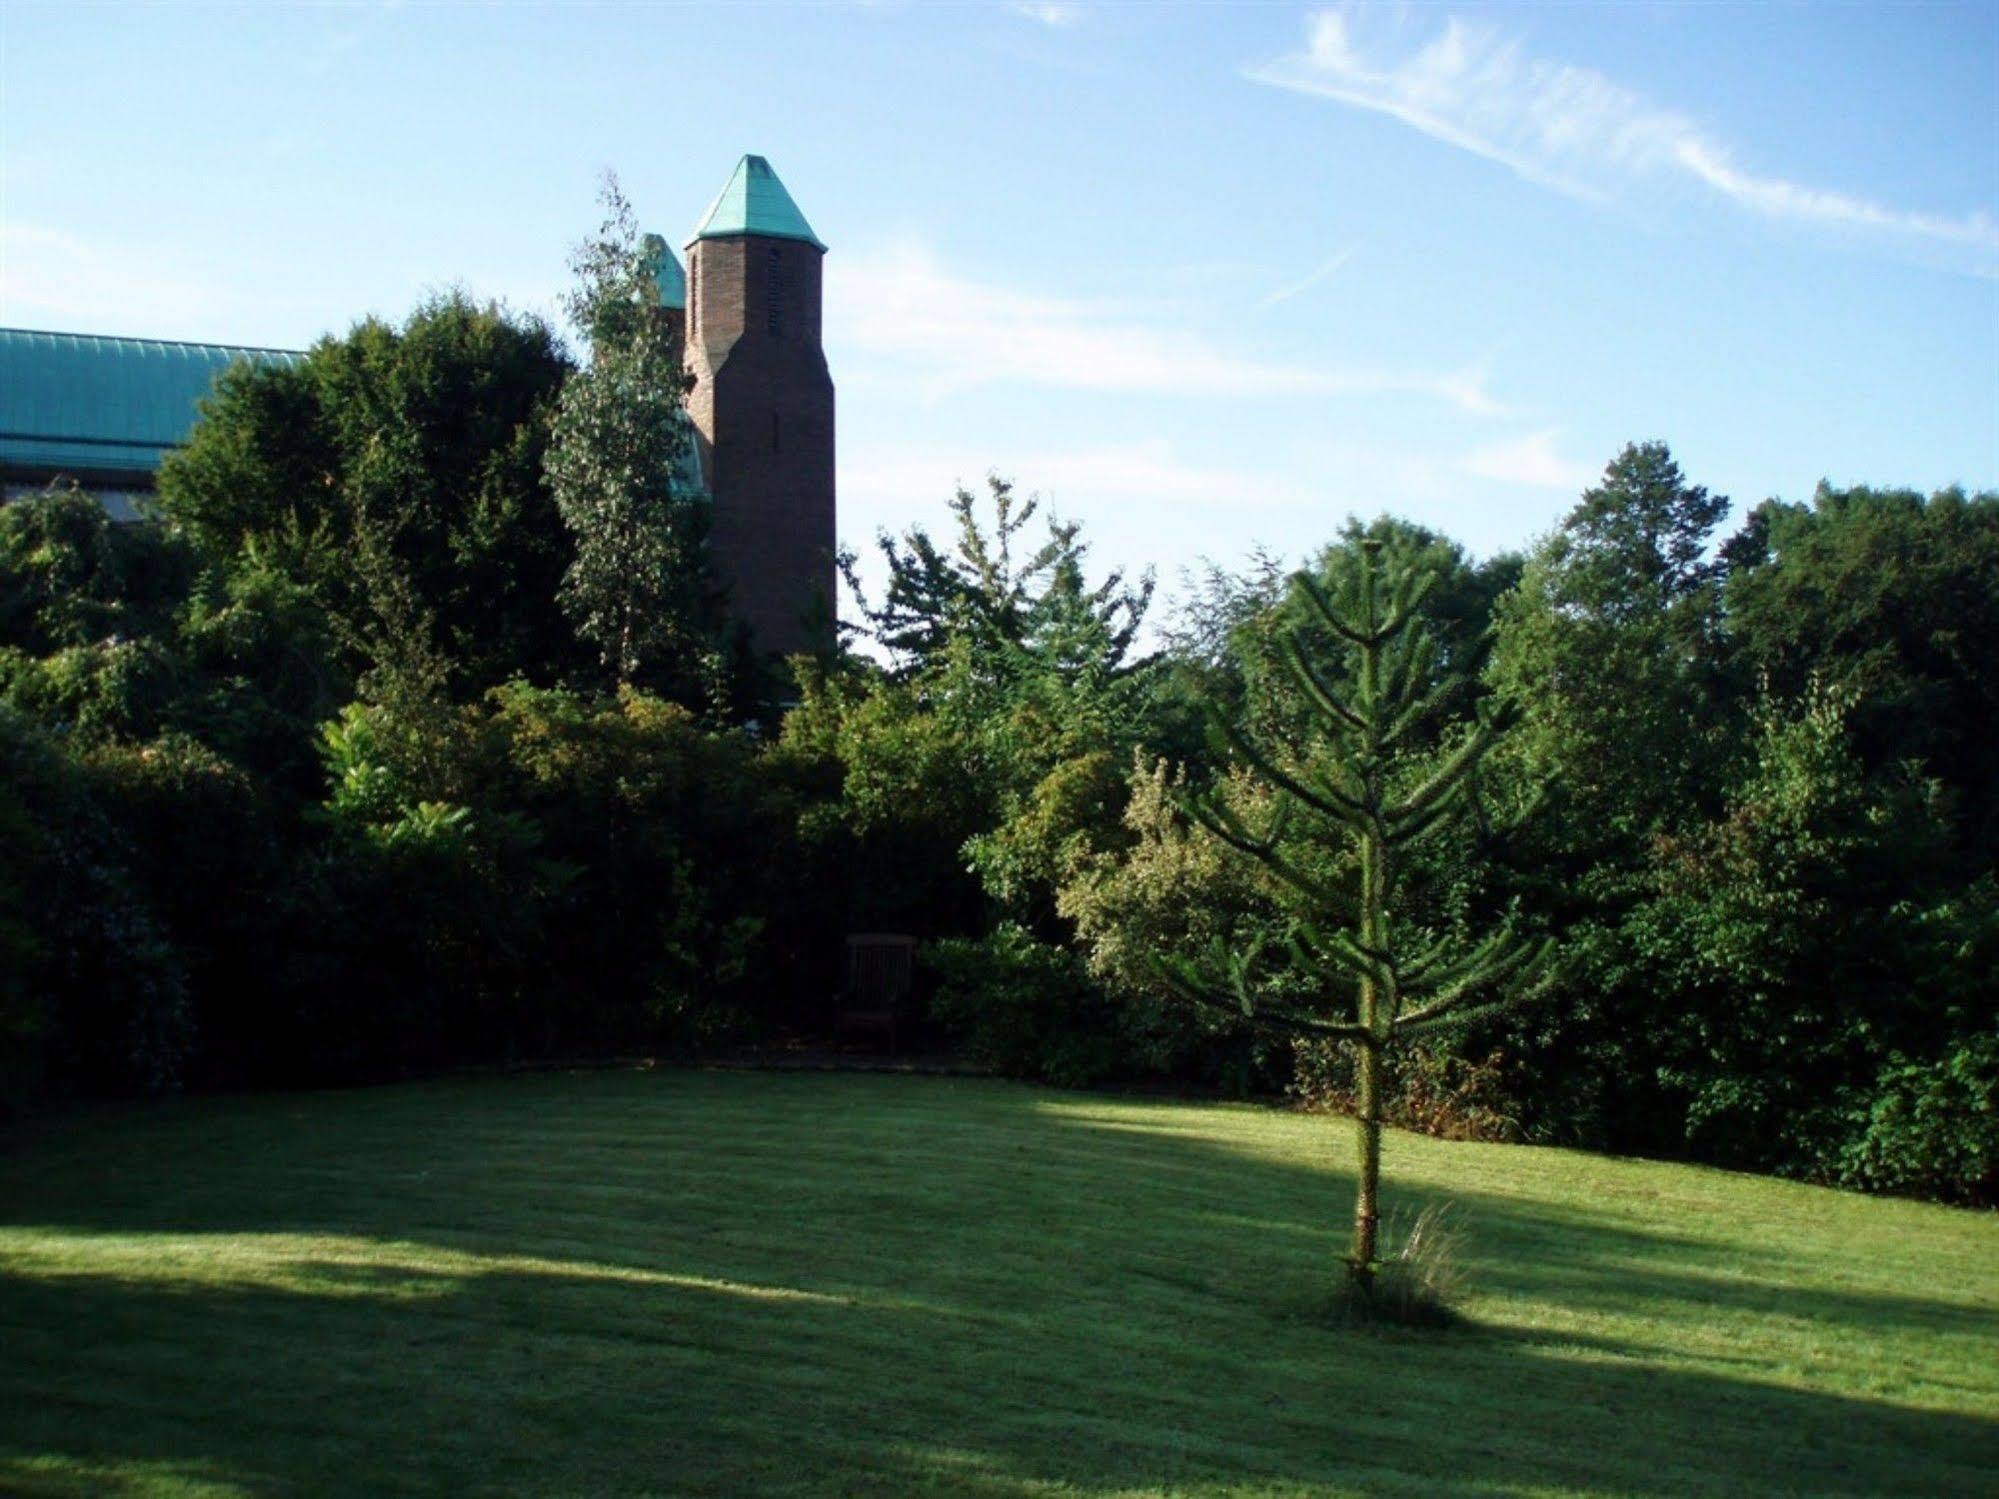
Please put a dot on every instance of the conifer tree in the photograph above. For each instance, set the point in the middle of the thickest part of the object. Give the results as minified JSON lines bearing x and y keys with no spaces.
{"x":1379,"y":776}
{"x":994,"y":591}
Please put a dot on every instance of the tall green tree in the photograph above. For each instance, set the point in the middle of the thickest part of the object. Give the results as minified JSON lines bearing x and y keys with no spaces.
{"x":623,"y":468}
{"x":1612,"y":646}
{"x":395,"y":474}
{"x":1374,"y":971}
{"x":1610,"y":643}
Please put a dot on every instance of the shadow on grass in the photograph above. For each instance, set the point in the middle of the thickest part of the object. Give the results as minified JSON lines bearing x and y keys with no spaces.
{"x":594,"y":1289}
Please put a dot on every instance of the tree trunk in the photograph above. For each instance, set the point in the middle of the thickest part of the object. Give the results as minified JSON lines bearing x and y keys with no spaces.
{"x":1373,"y":936}
{"x":1367,"y":1195}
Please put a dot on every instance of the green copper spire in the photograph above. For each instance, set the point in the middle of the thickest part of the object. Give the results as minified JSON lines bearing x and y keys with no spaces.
{"x":666,"y":271}
{"x":755,"y":202}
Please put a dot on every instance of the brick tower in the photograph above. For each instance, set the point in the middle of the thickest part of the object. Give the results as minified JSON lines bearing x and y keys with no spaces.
{"x":762,"y":406}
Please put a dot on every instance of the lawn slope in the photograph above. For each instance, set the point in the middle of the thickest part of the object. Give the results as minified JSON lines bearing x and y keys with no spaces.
{"x":730,"y":1283}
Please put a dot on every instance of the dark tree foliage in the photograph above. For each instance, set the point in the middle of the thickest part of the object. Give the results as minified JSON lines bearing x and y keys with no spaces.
{"x":1813,"y":941}
{"x":1612,"y":640}
{"x":85,"y":605}
{"x":1612,"y":645}
{"x":268,"y":840}
{"x":1895,"y":597}
{"x":985,"y":764}
{"x":1750,"y":850}
{"x":1641,"y":534}
{"x":395,"y":473}
{"x":1016,"y":683}
{"x":69,"y":576}
{"x":1215,"y":605}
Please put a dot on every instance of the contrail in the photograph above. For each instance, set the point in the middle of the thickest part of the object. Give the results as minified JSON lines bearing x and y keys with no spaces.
{"x":1286,"y":293}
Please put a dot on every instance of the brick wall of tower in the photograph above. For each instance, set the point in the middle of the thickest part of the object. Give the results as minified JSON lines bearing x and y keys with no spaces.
{"x":762,"y":404}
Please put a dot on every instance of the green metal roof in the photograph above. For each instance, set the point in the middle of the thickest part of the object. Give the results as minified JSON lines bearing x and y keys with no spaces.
{"x":755,"y":202}
{"x":666,"y":271}
{"x":104,"y":405}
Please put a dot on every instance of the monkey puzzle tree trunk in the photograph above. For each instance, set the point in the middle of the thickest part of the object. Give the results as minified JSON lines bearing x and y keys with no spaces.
{"x":1376,"y":1010}
{"x":1366,"y":1248}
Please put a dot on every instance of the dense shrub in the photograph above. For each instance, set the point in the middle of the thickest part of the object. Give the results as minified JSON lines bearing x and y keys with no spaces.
{"x":1435,"y":1089}
{"x":1166,"y":888}
{"x":70,"y":576}
{"x":1026,"y":1008}
{"x":643,"y":822}
{"x":1930,"y":1127}
{"x":104,"y":1003}
{"x":202,"y":852}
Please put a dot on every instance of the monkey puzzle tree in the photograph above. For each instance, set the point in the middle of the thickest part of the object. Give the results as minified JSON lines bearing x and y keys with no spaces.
{"x":1384,"y":768}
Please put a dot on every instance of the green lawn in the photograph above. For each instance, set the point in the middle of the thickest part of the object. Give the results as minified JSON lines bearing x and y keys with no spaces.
{"x":684,"y":1282}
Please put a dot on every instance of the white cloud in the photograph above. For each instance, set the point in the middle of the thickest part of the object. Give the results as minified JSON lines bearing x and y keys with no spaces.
{"x":50,"y":276}
{"x":1573,"y":129}
{"x":1530,"y":460}
{"x":950,"y":333}
{"x":1055,"y":17}
{"x":1781,"y":199}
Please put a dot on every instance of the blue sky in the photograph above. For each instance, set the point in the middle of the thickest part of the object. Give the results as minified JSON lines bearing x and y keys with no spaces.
{"x":1203,"y":276}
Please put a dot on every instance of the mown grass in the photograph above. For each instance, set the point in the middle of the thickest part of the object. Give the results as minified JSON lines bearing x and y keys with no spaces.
{"x":737,"y":1283}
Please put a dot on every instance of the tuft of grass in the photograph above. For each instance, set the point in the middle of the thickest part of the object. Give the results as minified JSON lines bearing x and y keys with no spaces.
{"x":797,"y":1284}
{"x":1419,"y":1283}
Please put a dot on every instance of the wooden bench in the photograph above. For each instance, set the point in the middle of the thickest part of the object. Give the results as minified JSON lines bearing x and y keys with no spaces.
{"x":881,"y":973}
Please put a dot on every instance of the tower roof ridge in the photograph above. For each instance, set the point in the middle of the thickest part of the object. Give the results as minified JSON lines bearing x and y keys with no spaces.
{"x":753,"y":201}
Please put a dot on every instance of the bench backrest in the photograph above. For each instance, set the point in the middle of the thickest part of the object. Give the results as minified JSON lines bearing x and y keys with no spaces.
{"x":881,"y":968}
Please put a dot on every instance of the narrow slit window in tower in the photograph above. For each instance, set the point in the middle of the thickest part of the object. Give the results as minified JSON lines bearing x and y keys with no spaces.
{"x":774,"y":293}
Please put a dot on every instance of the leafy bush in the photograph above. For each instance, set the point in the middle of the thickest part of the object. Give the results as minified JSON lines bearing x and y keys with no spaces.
{"x":25,"y":763}
{"x":112,"y":984}
{"x":1806,"y":938}
{"x":113,"y":689}
{"x":1931,"y":1128}
{"x":1434,"y":1089}
{"x":664,"y":929}
{"x":1025,"y":1008}
{"x":1168,"y":889}
{"x":71,"y":576}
